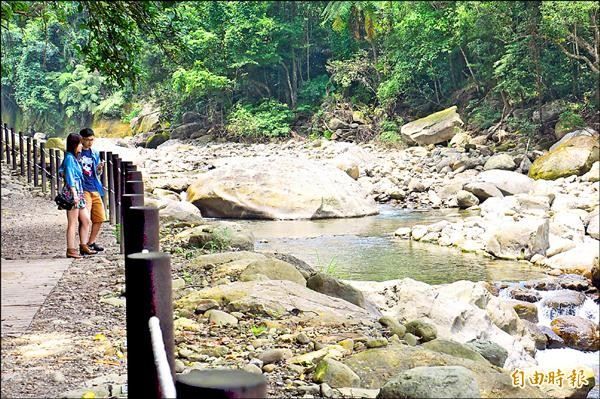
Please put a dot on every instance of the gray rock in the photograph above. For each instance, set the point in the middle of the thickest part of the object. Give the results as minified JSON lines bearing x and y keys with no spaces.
{"x":435,"y":128}
{"x":564,"y":299}
{"x":252,"y":368}
{"x":205,"y":304}
{"x":376,"y":342}
{"x":500,"y":161}
{"x":274,"y":269}
{"x":275,"y":355}
{"x":394,"y":326}
{"x":185,"y":131}
{"x":509,"y":183}
{"x":335,"y":374}
{"x":221,"y":318}
{"x":455,"y":349}
{"x":483,"y":191}
{"x":432,"y":382}
{"x":523,"y":294}
{"x":491,"y":351}
{"x":553,"y":340}
{"x":540,"y":339}
{"x":466,"y":199}
{"x":328,"y":285}
{"x":425,"y":331}
{"x":190,"y":117}
{"x":411,"y":339}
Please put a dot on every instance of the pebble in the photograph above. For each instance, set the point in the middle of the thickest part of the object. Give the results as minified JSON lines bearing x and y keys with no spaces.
{"x":267,"y":368}
{"x":252,"y":368}
{"x":302,"y":338}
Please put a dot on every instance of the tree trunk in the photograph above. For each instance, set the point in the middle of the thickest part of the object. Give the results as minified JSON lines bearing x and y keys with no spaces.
{"x":470,"y":69}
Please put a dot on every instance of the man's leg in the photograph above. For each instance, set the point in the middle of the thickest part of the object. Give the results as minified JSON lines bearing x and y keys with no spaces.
{"x":98,"y":217}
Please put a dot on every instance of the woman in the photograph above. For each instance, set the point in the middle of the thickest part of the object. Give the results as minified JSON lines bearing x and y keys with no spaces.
{"x":73,"y":188}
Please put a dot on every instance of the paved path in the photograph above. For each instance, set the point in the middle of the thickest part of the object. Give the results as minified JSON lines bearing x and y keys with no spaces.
{"x":25,"y":285}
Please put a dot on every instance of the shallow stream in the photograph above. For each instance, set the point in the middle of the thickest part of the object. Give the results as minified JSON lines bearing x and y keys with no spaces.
{"x":365,"y":249}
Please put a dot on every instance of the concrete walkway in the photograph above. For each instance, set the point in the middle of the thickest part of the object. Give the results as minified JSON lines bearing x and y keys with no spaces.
{"x":25,"y":286}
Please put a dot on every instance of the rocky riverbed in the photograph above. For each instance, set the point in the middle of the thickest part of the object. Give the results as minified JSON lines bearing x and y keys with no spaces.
{"x":313,"y":335}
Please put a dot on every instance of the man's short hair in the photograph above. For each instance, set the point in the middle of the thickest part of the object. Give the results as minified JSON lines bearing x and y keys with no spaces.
{"x":86,"y":132}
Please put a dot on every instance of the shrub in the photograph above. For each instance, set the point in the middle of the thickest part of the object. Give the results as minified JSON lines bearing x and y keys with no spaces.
{"x":484,"y":116}
{"x":268,"y":119}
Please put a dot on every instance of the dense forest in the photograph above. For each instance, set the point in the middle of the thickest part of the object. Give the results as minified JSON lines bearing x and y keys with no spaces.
{"x":274,"y":69}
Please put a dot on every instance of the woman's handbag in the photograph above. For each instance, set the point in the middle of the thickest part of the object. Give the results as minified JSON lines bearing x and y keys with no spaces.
{"x":64,"y":200}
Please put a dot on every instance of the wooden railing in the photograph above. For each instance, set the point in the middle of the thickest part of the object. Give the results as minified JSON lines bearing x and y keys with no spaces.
{"x":147,"y":275}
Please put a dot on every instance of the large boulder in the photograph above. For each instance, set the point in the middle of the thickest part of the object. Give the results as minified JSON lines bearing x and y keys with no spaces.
{"x":577,"y":332}
{"x":574,"y":156}
{"x":331,"y":286}
{"x":578,"y":260}
{"x":508,"y":182}
{"x":335,"y":374}
{"x":186,"y":131}
{"x":170,"y":210}
{"x":432,"y":382}
{"x":586,"y":132}
{"x":148,"y":119}
{"x":518,"y":240}
{"x":377,"y":366}
{"x":461,"y":311}
{"x":435,"y":128}
{"x":279,"y":188}
{"x":56,"y":143}
{"x":276,"y":298}
{"x":272,"y":269}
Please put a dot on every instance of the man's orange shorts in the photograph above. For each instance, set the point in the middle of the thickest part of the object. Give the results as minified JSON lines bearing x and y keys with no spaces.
{"x":93,"y":202}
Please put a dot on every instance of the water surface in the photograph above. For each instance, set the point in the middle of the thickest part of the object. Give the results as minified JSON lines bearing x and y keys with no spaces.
{"x":365,"y":249}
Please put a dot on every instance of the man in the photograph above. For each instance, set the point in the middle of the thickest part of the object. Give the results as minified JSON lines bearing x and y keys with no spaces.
{"x":92,"y":187}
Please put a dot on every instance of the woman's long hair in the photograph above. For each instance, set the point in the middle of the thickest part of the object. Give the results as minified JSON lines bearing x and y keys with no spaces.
{"x":73,"y":140}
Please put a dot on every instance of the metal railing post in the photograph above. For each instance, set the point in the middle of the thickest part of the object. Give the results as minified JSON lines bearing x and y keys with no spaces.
{"x":103,"y":181}
{"x":14,"y":148}
{"x":52,"y":173}
{"x":118,"y":186}
{"x":7,"y":144}
{"x":56,"y":170}
{"x":22,"y":153}
{"x":148,"y":293}
{"x":43,"y":165}
{"x":111,"y":187}
{"x":35,"y":163}
{"x":29,"y":140}
{"x":3,"y":126}
{"x":142,"y":227}
{"x":134,"y":175}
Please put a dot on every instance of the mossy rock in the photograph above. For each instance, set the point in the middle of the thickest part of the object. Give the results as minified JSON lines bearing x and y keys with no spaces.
{"x":453,"y":348}
{"x":567,"y":122}
{"x":157,"y":139}
{"x":56,"y":143}
{"x":574,"y":157}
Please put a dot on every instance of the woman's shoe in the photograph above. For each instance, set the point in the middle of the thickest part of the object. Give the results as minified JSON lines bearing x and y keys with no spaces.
{"x":85,"y":250}
{"x":72,"y":253}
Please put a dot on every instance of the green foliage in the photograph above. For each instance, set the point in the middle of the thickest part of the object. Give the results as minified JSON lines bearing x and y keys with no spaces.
{"x":226,"y":60}
{"x":111,"y":106}
{"x":257,"y":331}
{"x":484,"y":116}
{"x":390,"y":137}
{"x":268,"y":119}
{"x":313,"y":91}
{"x":135,"y":111}
{"x":221,"y":240}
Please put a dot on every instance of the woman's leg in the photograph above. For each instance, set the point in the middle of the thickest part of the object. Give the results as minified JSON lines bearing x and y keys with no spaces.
{"x":84,"y":226}
{"x":72,"y":217}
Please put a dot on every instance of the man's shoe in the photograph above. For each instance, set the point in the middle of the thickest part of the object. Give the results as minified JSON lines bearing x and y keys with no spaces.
{"x":85,"y":250}
{"x":95,"y":247}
